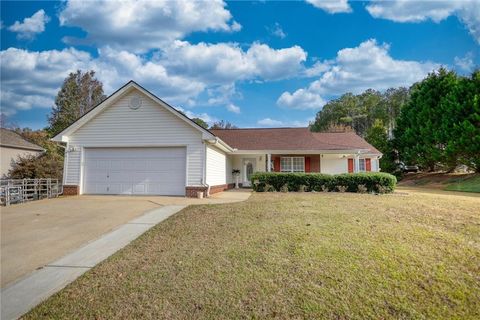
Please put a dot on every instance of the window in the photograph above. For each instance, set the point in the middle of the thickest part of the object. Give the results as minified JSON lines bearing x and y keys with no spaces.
{"x":361,"y":165}
{"x":292,"y":164}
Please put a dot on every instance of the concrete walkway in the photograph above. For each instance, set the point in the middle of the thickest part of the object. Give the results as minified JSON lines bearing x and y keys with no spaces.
{"x":24,"y":294}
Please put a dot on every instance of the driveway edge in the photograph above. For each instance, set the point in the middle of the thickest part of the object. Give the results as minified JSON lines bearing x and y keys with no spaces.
{"x":21,"y":296}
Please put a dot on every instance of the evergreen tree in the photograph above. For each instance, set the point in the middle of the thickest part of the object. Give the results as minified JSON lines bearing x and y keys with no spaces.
{"x":460,"y":124}
{"x":200,"y":122}
{"x":79,"y":93}
{"x":421,"y":135}
{"x":377,"y":136}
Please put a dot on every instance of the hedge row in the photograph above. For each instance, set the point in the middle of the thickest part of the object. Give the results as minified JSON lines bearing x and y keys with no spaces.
{"x":377,"y":182}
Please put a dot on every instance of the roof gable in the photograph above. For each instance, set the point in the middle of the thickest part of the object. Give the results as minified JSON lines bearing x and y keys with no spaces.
{"x":131,"y":85}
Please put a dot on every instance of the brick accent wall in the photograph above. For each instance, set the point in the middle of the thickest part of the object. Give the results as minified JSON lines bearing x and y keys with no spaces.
{"x":71,"y":190}
{"x":191,"y":191}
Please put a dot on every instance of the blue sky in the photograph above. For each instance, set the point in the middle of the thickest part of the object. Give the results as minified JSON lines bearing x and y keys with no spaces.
{"x":251,"y":63}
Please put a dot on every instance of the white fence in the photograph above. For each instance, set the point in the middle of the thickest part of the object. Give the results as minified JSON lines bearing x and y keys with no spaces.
{"x":23,"y":190}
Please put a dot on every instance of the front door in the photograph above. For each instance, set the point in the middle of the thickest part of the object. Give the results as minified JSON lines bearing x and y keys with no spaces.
{"x":248,"y":170}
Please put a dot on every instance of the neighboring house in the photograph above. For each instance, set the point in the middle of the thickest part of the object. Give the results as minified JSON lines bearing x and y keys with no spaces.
{"x":12,"y":145}
{"x":135,"y":143}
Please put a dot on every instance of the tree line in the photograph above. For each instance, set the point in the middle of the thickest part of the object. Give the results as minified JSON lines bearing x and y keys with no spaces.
{"x":434,"y":124}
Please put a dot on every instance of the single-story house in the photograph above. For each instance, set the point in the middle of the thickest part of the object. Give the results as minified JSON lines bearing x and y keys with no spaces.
{"x":13,"y":145}
{"x":134,"y":143}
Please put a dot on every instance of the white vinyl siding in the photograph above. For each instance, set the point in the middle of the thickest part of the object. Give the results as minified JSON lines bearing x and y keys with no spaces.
{"x":216,"y":167}
{"x":72,"y":169}
{"x":333,"y":164}
{"x":149,"y":126}
{"x":229,"y":176}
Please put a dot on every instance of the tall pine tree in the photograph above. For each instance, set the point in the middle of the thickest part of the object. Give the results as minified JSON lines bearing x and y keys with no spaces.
{"x":79,"y":93}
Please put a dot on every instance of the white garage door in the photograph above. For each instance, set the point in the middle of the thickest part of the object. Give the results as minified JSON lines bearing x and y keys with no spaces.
{"x":136,"y":171}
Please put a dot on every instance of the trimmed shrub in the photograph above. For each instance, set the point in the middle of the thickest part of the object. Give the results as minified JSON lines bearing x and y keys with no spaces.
{"x":378,"y":182}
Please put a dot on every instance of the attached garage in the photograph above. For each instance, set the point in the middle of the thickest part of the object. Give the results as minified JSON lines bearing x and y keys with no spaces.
{"x":133,"y":143}
{"x":135,"y":171}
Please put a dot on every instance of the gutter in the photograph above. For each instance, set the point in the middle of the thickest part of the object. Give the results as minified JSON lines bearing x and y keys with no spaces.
{"x":221,"y":144}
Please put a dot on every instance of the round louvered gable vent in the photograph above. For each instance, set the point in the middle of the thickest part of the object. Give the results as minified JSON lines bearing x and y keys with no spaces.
{"x":135,"y":102}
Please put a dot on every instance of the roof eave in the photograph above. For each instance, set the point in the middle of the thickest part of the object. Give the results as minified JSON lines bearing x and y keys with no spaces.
{"x":306,"y":151}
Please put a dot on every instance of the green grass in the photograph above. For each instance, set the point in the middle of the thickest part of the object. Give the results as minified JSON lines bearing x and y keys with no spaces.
{"x":471,"y":184}
{"x":292,"y":256}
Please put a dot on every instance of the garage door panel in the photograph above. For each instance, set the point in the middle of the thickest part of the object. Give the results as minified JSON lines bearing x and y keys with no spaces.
{"x":154,"y":171}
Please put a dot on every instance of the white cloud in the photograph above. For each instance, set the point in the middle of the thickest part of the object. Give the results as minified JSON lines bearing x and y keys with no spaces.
{"x":233,"y":108}
{"x":332,"y":6}
{"x":273,"y":64}
{"x":465,"y":63}
{"x":32,"y":79}
{"x":277,"y":31}
{"x":141,"y":25}
{"x":301,"y":99}
{"x":226,"y":62}
{"x":468,"y":11}
{"x":317,"y":69}
{"x":179,"y":74}
{"x":204,"y":116}
{"x":356,"y":69}
{"x":30,"y":26}
{"x":268,"y":122}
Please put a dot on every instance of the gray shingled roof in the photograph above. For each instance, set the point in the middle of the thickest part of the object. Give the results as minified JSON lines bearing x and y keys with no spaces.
{"x":12,"y":139}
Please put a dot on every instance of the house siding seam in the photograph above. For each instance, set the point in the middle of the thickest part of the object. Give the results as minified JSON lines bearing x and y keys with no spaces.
{"x":150,"y":125}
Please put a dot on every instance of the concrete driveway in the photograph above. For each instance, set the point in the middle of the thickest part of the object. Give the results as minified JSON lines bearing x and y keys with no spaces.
{"x":36,"y":233}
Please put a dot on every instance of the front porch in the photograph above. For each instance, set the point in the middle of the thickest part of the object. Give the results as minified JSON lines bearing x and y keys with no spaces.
{"x":329,"y":163}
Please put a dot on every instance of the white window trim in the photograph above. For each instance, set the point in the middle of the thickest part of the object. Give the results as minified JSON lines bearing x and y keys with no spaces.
{"x":291,"y":164}
{"x":362,"y":160}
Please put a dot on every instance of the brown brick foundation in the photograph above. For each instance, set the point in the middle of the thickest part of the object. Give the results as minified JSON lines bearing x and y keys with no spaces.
{"x":71,"y":190}
{"x":191,"y":191}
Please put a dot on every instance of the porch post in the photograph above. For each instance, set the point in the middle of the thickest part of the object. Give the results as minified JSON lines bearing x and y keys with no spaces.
{"x":357,"y":163}
{"x":269,"y":162}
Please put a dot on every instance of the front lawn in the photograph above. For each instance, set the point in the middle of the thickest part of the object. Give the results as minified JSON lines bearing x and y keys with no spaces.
{"x":296,"y":255}
{"x":471,"y":184}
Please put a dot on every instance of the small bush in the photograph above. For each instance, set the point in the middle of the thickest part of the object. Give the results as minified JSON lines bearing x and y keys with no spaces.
{"x":284,"y":188}
{"x":378,"y":182}
{"x":361,"y":188}
{"x":342,"y":189}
